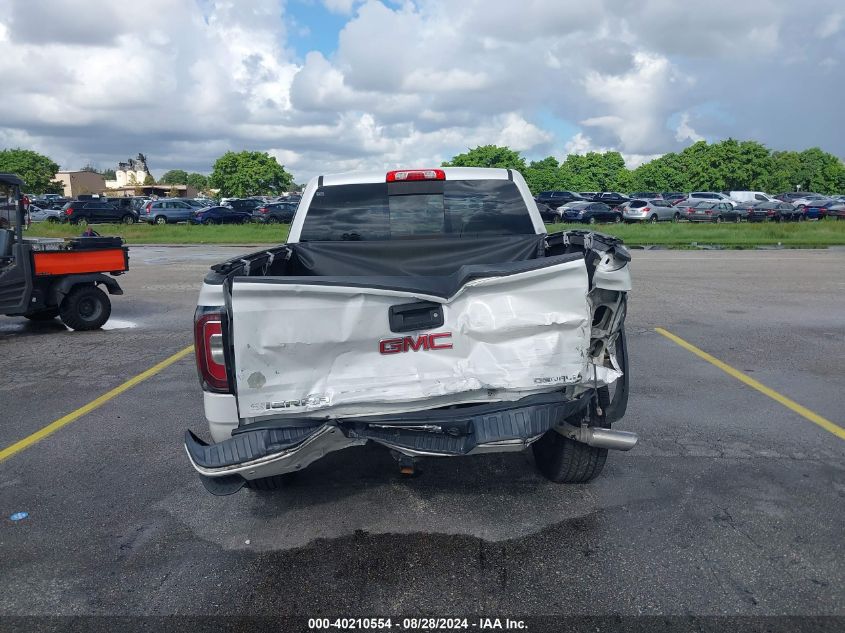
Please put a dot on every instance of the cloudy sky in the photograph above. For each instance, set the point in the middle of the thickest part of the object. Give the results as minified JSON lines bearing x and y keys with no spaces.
{"x":337,"y":85}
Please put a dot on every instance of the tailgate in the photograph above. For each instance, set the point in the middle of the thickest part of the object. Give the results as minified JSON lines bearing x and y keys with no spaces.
{"x":328,"y":346}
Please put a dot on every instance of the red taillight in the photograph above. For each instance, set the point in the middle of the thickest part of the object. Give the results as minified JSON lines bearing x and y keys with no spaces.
{"x":208,"y":347}
{"x":149,"y":207}
{"x":708,"y":212}
{"x":770,"y":212}
{"x":416,"y":174}
{"x":263,"y":210}
{"x":69,"y":211}
{"x":646,"y":209}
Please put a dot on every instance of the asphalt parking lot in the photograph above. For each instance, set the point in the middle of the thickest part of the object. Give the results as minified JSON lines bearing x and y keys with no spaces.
{"x":731,"y":504}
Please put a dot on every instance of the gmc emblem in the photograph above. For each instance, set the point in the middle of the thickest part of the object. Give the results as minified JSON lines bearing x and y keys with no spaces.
{"x":414,"y":343}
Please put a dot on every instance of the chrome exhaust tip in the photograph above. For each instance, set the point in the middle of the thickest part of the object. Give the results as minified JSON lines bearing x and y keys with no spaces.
{"x":600,"y":437}
{"x":614,"y":440}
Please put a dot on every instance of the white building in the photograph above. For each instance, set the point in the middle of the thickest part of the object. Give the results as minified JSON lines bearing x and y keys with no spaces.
{"x":131,"y":173}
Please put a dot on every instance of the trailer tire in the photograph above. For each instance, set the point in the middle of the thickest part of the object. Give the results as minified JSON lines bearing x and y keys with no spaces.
{"x":269,"y":484}
{"x":85,"y":308}
{"x":566,"y":461}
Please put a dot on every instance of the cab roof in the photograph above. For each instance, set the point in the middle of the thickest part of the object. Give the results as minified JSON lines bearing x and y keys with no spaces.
{"x":11,"y":179}
{"x":452,"y":173}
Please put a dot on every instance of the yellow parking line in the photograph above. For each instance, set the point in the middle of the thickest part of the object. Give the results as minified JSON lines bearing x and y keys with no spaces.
{"x":804,"y":412}
{"x":51,"y":428}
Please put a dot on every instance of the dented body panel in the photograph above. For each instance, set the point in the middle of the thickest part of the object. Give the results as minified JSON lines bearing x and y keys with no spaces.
{"x":328,"y":351}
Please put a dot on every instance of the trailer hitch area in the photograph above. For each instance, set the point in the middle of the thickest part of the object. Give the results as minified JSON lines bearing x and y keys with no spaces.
{"x":407,"y":464}
{"x":599,"y":437}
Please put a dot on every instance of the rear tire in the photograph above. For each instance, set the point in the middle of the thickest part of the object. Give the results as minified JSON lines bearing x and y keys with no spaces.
{"x":272,"y":220}
{"x":653,"y":219}
{"x":617,"y":219}
{"x":85,"y":308}
{"x":128,"y":219}
{"x":676,"y":217}
{"x":592,"y":220}
{"x":160,"y":220}
{"x":269,"y":484}
{"x":566,"y":461}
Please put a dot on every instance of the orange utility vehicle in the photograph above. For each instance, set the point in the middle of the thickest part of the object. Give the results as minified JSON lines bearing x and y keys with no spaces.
{"x":41,"y":279}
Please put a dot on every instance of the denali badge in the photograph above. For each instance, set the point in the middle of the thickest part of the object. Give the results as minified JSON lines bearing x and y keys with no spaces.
{"x":415,"y":343}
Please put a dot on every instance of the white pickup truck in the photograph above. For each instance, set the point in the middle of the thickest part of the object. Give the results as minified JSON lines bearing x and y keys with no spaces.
{"x":427,"y":311}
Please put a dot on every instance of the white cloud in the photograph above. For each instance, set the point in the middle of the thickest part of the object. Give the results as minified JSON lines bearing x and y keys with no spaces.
{"x":414,"y":82}
{"x":340,"y":6}
{"x":685,"y":132}
{"x":830,"y":26}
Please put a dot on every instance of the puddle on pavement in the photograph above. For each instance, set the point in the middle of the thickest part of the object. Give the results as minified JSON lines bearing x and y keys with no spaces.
{"x":8,"y":328}
{"x":119,"y":324}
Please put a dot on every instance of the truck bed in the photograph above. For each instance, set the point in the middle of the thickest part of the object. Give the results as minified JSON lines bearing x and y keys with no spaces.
{"x":312,"y":332}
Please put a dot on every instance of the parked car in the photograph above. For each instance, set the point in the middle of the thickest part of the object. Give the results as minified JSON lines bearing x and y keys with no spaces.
{"x":275,"y":213}
{"x":197,"y":204}
{"x":649,"y":211}
{"x":588,"y":195}
{"x":645,"y":195}
{"x":697,"y":196}
{"x":712,"y":211}
{"x":243,"y":204}
{"x":167,"y":211}
{"x":837,"y":210}
{"x":822,"y":209}
{"x":53,"y":203}
{"x":590,"y":212}
{"x":549,"y":215}
{"x":39,"y":214}
{"x":673,"y":197}
{"x":554,"y":199}
{"x":750,"y":196}
{"x":611,"y":198}
{"x":390,"y":341}
{"x":792,"y":196}
{"x":809,"y":199}
{"x":127,"y":204}
{"x":219,"y":215}
{"x":95,"y":212}
{"x":775,"y":211}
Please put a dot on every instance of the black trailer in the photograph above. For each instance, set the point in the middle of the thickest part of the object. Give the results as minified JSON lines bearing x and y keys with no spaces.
{"x":41,"y":279}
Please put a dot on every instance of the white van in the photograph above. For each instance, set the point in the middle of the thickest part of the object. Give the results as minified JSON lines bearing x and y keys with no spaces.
{"x":751,"y":196}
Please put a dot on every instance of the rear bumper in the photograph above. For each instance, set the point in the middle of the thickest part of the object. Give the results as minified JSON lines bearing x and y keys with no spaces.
{"x":282,"y":446}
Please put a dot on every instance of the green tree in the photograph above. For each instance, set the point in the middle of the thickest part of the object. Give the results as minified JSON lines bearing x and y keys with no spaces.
{"x":489,"y":156}
{"x":37,"y":170}
{"x":821,"y":172}
{"x":594,"y":171}
{"x":108,"y":174}
{"x":197,"y":181}
{"x":174,"y":177}
{"x":149,"y":180}
{"x":543,"y":175}
{"x":91,"y":168}
{"x":248,"y":174}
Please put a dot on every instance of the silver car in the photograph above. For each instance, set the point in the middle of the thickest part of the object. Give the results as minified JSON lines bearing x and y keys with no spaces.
{"x":37,"y":214}
{"x":712,"y":196}
{"x":642,"y":210}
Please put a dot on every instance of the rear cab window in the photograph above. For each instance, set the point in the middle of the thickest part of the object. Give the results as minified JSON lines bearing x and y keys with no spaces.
{"x":385,"y":211}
